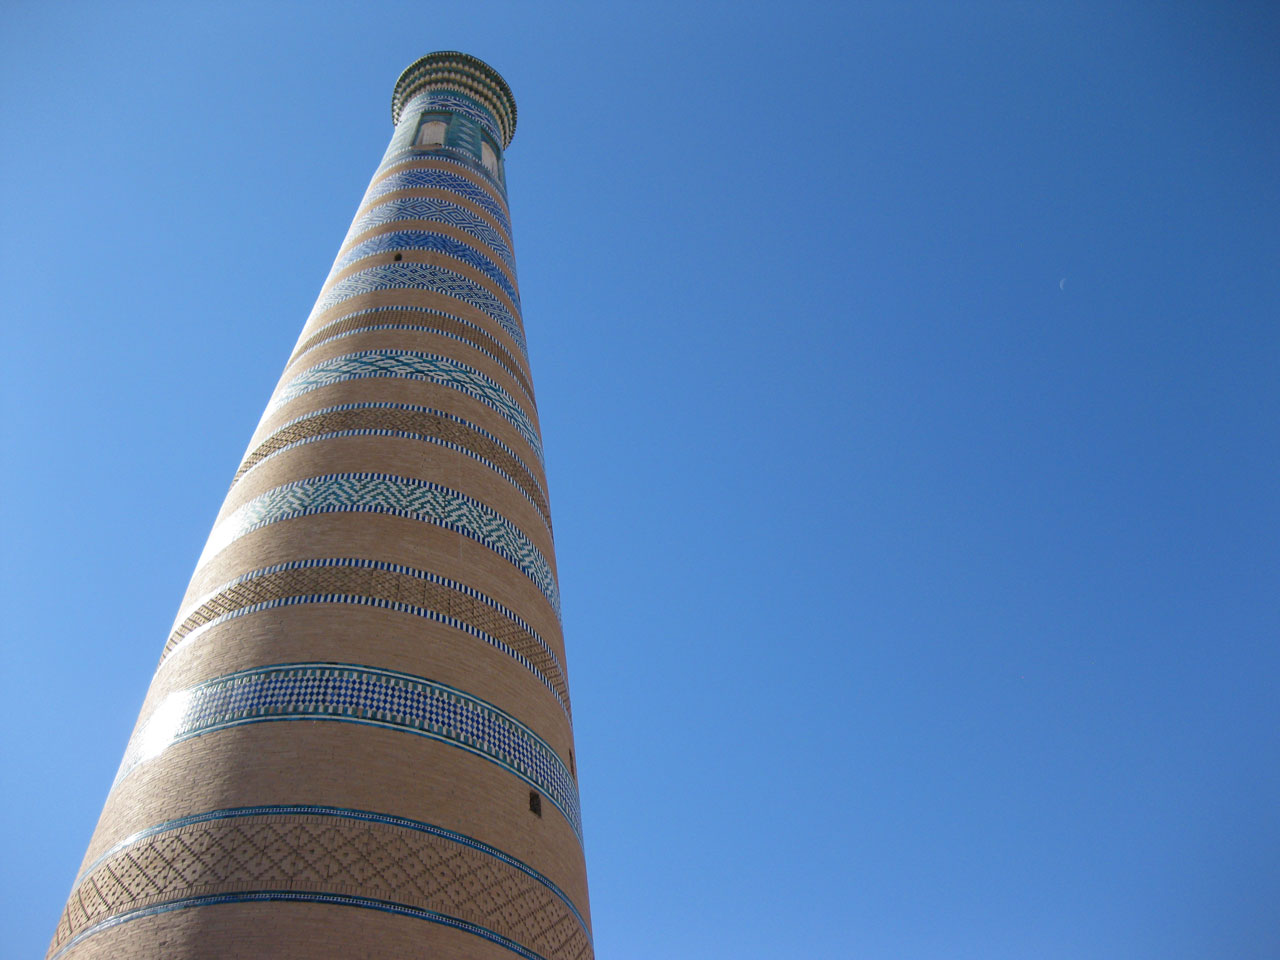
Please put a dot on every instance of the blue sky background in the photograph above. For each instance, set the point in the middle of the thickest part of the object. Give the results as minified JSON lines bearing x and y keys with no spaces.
{"x":908,"y":380}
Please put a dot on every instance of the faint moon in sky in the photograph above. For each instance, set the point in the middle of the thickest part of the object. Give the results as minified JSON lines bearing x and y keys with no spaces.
{"x":1062,"y":284}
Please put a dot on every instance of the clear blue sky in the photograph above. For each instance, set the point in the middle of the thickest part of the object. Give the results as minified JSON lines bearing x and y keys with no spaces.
{"x":908,"y":375}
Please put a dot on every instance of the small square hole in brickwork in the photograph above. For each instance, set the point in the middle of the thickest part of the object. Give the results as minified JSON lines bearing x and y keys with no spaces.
{"x":535,"y":802}
{"x":399,"y":256}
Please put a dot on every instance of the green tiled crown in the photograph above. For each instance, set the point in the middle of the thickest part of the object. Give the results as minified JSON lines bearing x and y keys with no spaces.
{"x":450,"y":70}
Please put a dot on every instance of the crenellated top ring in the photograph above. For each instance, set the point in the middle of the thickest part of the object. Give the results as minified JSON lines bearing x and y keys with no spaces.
{"x":460,"y":72}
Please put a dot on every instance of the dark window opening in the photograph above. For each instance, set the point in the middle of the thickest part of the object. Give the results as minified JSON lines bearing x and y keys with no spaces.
{"x":535,"y":802}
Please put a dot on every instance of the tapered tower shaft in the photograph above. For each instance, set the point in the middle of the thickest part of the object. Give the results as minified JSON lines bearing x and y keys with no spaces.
{"x":358,"y":741}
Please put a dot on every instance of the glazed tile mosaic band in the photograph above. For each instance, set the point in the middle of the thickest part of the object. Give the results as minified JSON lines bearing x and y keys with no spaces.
{"x":435,"y":210}
{"x":424,"y":241}
{"x":455,"y":103}
{"x":310,"y":850}
{"x":444,"y":158}
{"x":418,"y":319}
{"x":429,"y":177}
{"x":413,"y":276}
{"x":385,"y":493}
{"x":350,"y":693}
{"x":406,"y":422}
{"x":376,"y":583}
{"x":408,"y":364}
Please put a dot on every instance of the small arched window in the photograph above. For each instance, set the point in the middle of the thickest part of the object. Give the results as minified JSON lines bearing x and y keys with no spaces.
{"x":489,"y":158}
{"x":431,"y":134}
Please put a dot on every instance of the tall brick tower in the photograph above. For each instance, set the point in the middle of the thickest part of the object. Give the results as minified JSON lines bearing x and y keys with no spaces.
{"x":358,"y":741}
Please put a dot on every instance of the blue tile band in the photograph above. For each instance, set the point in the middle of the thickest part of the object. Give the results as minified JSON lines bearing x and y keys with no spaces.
{"x":237,"y":598}
{"x":454,"y":103}
{"x":428,"y":278}
{"x":408,"y":364}
{"x":351,"y":693}
{"x":437,"y":321}
{"x":399,"y":496}
{"x":431,"y":178}
{"x":391,"y":409}
{"x":429,"y":242}
{"x":438,"y":211}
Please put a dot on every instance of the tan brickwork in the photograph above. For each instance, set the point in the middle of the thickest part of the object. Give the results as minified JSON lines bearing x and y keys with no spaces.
{"x":366,"y":322}
{"x":314,"y":853}
{"x":365,"y":814}
{"x":429,"y":339}
{"x":448,"y":230}
{"x":362,"y":583}
{"x":423,"y":423}
{"x":353,"y":633}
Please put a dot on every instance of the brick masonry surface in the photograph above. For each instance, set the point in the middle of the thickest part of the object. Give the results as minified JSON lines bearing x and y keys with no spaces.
{"x":358,"y":741}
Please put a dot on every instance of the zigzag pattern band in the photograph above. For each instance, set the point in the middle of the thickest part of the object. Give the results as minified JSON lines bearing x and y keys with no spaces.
{"x":399,"y":496}
{"x":439,"y":211}
{"x":410,"y":423}
{"x":424,"y":277}
{"x":314,"y":852}
{"x":417,"y":178}
{"x":376,"y":583}
{"x":455,"y":102}
{"x":408,"y":364}
{"x":428,"y":242}
{"x":418,"y":318}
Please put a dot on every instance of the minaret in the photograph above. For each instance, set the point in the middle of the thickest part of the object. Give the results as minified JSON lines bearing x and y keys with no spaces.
{"x":358,"y":741}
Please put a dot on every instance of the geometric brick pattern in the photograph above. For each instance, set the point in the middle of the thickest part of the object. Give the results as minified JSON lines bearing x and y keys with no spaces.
{"x":406,"y":422}
{"x":454,"y":103}
{"x":407,"y":364}
{"x":439,"y":211}
{"x":438,"y":874}
{"x":385,"y":493}
{"x":426,"y":241}
{"x":351,"y":693}
{"x":406,"y":409}
{"x":416,"y":178}
{"x":418,"y":318}
{"x":376,"y":583}
{"x":410,"y":275}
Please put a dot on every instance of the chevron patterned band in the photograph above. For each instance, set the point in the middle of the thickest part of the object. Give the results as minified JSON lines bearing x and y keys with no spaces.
{"x":399,"y":496}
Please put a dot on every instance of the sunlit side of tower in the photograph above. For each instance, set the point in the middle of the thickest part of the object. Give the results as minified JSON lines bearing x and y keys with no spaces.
{"x":358,"y":741}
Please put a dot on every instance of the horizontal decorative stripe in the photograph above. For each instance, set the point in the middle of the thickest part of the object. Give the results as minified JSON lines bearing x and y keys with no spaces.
{"x":428,"y":278}
{"x":293,"y":896}
{"x":455,"y":103}
{"x":435,"y":210}
{"x":416,"y":178}
{"x":398,"y":496}
{"x":432,"y":321}
{"x":352,"y":693}
{"x":304,"y":851}
{"x":458,"y":154}
{"x":375,"y":583}
{"x":410,"y":423}
{"x":417,"y":318}
{"x":407,"y":364}
{"x":428,"y":242}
